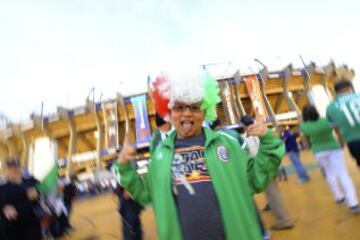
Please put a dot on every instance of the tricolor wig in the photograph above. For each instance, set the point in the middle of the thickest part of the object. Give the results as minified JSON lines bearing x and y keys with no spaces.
{"x":187,"y":88}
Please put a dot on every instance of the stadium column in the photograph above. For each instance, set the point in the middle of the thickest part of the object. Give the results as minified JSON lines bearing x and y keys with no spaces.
{"x":4,"y":151}
{"x":286,"y":93}
{"x":24,"y":157}
{"x":237,"y":78}
{"x":329,"y":72}
{"x":10,"y":142}
{"x":223,"y":101}
{"x":91,"y":106}
{"x":309,"y":73}
{"x":42,"y":125}
{"x":11,"y":149}
{"x":3,"y":156}
{"x":228,"y":99}
{"x":344,"y":72}
{"x":63,"y":113}
{"x":234,"y":100}
{"x":263,"y":77}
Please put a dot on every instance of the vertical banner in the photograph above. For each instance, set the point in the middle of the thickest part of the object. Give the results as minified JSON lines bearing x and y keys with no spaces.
{"x":141,"y":121}
{"x":111,"y":125}
{"x":253,"y":88}
{"x":227,"y":99}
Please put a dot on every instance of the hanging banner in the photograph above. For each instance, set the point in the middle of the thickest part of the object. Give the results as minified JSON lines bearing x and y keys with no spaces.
{"x":111,"y":125}
{"x":253,"y":88}
{"x":143,"y":134}
{"x":227,"y":99}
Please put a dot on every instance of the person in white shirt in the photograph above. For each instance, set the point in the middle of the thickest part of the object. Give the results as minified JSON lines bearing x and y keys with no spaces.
{"x":272,"y":192}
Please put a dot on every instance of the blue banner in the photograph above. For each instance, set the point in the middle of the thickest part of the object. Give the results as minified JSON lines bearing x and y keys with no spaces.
{"x":143,"y":134}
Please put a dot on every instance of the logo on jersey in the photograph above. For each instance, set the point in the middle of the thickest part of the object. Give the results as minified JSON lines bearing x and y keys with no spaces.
{"x":223,"y":153}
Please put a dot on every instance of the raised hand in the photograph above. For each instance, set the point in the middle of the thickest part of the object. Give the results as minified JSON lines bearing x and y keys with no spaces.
{"x":32,"y":194}
{"x":126,"y":195}
{"x":258,"y":128}
{"x":10,"y":212}
{"x":128,"y":151}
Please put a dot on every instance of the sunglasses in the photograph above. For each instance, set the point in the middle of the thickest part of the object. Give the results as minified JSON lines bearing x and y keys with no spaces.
{"x":192,"y":108}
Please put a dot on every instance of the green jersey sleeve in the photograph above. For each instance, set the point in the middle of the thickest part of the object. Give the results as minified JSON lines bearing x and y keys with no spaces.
{"x":329,"y":115}
{"x":264,"y":166}
{"x":344,"y":113}
{"x":136,"y":185}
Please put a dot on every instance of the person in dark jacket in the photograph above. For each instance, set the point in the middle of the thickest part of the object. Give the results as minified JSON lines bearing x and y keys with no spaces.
{"x":18,"y":203}
{"x":129,"y":212}
{"x":160,"y":133}
{"x":292,"y":151}
{"x":2,"y":219}
{"x":69,"y":196}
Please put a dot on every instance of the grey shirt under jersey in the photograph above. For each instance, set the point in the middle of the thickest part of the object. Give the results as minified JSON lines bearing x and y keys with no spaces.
{"x":196,"y":200}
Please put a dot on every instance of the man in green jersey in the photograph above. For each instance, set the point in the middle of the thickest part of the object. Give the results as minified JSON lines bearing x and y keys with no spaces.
{"x":343,"y":113}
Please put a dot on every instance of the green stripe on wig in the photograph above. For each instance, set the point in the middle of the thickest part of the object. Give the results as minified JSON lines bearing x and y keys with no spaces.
{"x":211,"y":97}
{"x":192,"y":87}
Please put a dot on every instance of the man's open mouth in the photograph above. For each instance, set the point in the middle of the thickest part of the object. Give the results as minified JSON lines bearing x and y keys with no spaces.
{"x":186,"y":126}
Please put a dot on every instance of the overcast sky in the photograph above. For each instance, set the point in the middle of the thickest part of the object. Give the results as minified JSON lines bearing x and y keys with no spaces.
{"x":56,"y":51}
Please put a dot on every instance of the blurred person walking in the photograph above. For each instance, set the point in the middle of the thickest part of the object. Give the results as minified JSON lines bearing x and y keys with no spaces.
{"x":18,"y":203}
{"x":343,"y":114}
{"x":330,"y":156}
{"x":162,"y":131}
{"x":129,"y":211}
{"x":292,"y":151}
{"x":69,"y":196}
{"x":272,"y":192}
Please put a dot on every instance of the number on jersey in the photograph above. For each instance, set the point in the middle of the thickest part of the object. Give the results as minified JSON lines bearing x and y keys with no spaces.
{"x":352,"y":112}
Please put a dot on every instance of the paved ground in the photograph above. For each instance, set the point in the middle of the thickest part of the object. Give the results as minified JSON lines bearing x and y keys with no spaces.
{"x":311,"y":205}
